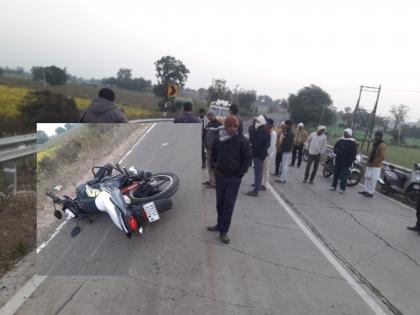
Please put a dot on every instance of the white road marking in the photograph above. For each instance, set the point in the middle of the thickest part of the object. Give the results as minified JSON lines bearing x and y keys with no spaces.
{"x":26,"y":291}
{"x":333,"y":261}
{"x":22,"y":295}
{"x":165,"y":144}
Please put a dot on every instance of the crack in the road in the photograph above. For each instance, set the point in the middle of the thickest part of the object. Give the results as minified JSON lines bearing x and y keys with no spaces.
{"x":360,"y":277}
{"x":368,"y":229}
{"x":274,"y":263}
{"x":191,"y":293}
{"x":352,"y":209}
{"x":70,"y":298}
{"x":371,"y":256}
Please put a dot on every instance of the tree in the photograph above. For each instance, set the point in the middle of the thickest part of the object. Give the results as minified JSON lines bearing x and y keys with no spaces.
{"x":59,"y":130}
{"x":41,"y":137}
{"x":169,"y":71}
{"x":52,"y":74}
{"x":47,"y":107}
{"x":218,"y":91}
{"x":124,"y":75}
{"x":399,"y":115}
{"x":1,"y":71}
{"x":245,"y":100}
{"x":311,"y":106}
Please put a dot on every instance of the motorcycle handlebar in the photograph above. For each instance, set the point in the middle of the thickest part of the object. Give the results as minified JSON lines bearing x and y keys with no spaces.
{"x":53,"y":197}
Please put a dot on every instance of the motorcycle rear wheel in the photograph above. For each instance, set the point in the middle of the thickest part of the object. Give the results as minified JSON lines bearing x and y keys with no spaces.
{"x":170,"y":182}
{"x":411,"y":195}
{"x":354,"y":178}
{"x":326,"y":172}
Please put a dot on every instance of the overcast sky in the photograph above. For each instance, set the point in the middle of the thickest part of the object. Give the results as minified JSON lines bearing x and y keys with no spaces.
{"x":274,"y":47}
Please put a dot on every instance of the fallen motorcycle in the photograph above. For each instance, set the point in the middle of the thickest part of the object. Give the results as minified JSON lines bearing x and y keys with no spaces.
{"x":131,"y":198}
{"x":355,"y":174}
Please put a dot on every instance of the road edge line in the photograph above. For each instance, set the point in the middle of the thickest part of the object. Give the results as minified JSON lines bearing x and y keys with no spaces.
{"x":331,"y":259}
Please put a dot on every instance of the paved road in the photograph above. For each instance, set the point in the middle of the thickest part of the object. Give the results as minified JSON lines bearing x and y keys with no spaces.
{"x":270,"y":266}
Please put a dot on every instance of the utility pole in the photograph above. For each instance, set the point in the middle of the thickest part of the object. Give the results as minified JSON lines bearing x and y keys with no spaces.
{"x":372,"y":118}
{"x":356,"y":109}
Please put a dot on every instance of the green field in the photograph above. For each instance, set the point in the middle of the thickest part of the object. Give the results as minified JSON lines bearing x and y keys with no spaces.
{"x":399,"y":155}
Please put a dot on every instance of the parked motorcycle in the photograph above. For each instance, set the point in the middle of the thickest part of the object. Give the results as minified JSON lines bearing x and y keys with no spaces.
{"x":132,"y":197}
{"x":355,"y":169}
{"x":396,"y":181}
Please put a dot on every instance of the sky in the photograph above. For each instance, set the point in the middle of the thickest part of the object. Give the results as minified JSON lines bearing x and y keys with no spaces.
{"x":274,"y":47}
{"x":49,"y":128}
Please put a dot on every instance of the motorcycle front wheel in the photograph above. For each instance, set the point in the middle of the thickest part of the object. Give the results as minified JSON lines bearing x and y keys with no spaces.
{"x":326,"y":172}
{"x":160,"y":186}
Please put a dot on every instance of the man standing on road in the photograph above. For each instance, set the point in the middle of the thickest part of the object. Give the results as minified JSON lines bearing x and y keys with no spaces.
{"x":298,"y":142}
{"x":103,"y":109}
{"x":212,"y":133}
{"x":203,"y":119}
{"x":316,"y":145}
{"x":230,"y":159}
{"x":187,"y":116}
{"x":286,"y":149}
{"x":416,"y":227}
{"x":279,"y":140}
{"x":270,"y":151}
{"x":259,"y":144}
{"x":374,"y":164}
{"x":345,"y":150}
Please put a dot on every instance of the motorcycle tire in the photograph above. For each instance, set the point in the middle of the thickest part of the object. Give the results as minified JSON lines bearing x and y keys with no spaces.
{"x":163,"y":194}
{"x":326,"y":172}
{"x":411,"y":195}
{"x":354,"y":178}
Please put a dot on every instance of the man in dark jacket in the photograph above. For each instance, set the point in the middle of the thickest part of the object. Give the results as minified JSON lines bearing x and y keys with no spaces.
{"x":416,"y":227}
{"x":260,"y":142}
{"x":234,"y":110}
{"x":345,"y":150}
{"x":103,"y":110}
{"x":203,"y":119}
{"x":230,"y":159}
{"x":211,"y":135}
{"x":286,"y":148}
{"x":187,"y":116}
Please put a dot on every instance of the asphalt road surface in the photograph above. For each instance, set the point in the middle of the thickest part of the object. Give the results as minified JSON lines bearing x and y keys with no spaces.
{"x":298,"y":249}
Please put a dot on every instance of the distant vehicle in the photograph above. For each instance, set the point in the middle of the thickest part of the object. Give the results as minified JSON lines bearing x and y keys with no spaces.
{"x":221,"y":109}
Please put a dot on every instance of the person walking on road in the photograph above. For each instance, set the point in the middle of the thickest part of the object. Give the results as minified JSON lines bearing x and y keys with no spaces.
{"x":212,"y":133}
{"x":345,"y":150}
{"x":316,"y":145}
{"x":270,"y":151}
{"x":286,"y":148}
{"x":204,"y":121}
{"x":374,"y":164}
{"x":416,"y":227}
{"x":230,"y":159}
{"x":103,"y":109}
{"x":298,"y":142}
{"x":187,"y":116}
{"x":259,"y":144}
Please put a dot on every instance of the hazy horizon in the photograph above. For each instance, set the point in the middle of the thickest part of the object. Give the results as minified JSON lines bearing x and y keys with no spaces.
{"x":274,"y":47}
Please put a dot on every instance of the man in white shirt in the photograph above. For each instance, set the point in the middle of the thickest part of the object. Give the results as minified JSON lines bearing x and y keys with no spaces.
{"x":270,"y":151}
{"x":316,"y":145}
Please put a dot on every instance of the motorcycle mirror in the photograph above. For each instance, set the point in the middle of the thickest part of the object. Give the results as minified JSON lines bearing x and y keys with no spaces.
{"x":58,"y":214}
{"x":75,"y":231}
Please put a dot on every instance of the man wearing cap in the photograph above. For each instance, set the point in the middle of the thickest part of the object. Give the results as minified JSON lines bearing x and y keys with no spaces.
{"x":211,"y":135}
{"x":298,"y":142}
{"x":260,"y":142}
{"x":316,"y":145}
{"x":230,"y":159}
{"x":345,"y":150}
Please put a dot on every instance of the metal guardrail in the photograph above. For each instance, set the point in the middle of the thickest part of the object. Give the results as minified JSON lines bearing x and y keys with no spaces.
{"x":12,"y":148}
{"x":151,"y":120}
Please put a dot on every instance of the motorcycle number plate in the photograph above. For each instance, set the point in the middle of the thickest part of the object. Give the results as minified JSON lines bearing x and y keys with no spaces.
{"x":151,"y":211}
